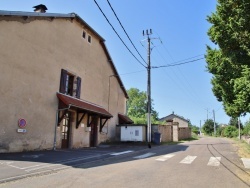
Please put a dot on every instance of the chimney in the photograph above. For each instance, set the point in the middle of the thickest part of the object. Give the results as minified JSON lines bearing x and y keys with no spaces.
{"x":40,"y":8}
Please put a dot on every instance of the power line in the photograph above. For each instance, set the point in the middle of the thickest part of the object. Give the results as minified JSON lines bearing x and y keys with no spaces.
{"x":187,"y":84}
{"x":125,"y":31}
{"x":118,"y":34}
{"x":176,"y":64}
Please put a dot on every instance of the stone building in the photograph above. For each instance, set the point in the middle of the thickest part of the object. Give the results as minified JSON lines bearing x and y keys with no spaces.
{"x":59,"y":86}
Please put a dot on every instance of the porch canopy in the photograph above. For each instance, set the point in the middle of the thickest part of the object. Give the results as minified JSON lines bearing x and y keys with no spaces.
{"x":124,"y":119}
{"x":83,"y":107}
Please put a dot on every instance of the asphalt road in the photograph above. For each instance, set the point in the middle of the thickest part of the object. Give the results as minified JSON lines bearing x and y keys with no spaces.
{"x":208,"y":162}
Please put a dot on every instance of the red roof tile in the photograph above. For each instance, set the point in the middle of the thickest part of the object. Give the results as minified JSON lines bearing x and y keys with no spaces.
{"x":123,"y":119}
{"x":84,"y":105}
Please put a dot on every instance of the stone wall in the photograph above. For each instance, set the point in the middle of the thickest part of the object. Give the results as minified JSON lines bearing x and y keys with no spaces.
{"x":184,"y":133}
{"x":172,"y":132}
{"x":166,"y":132}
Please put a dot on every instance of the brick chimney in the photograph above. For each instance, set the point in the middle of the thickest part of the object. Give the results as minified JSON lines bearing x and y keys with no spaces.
{"x":40,"y":8}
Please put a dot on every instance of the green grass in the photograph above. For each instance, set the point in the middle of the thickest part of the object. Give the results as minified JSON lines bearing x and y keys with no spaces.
{"x":243,"y":148}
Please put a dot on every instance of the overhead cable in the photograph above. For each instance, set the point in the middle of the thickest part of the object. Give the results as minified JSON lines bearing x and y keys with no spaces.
{"x":125,"y":31}
{"x":118,"y":34}
{"x":175,"y":64}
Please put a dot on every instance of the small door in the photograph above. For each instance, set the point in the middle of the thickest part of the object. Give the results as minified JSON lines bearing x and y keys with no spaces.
{"x":93,"y":132}
{"x":66,"y":130}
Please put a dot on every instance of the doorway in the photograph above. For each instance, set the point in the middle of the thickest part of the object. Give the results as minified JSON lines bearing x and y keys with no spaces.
{"x":66,"y":130}
{"x":93,"y":132}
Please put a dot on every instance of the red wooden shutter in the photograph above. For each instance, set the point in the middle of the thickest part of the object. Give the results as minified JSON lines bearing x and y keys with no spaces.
{"x":63,"y":81}
{"x":78,"y":88}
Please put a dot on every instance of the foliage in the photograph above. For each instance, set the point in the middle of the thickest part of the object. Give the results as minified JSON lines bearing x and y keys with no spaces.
{"x":230,"y":62}
{"x":230,"y":132}
{"x":137,"y":107}
{"x":208,"y":127}
{"x":195,"y":129}
{"x":220,"y":131}
{"x":234,"y":122}
{"x":246,"y":130}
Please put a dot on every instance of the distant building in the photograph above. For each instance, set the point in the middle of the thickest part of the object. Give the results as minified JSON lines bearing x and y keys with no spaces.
{"x":175,"y":118}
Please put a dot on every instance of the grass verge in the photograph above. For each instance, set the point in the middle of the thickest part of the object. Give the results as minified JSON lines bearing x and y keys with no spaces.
{"x":243,"y":148}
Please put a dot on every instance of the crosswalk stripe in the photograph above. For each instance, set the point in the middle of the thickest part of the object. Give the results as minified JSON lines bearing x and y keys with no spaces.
{"x":246,"y":162}
{"x":188,"y":160}
{"x":144,"y":156}
{"x":123,"y":152}
{"x":214,"y":161}
{"x":165,"y":157}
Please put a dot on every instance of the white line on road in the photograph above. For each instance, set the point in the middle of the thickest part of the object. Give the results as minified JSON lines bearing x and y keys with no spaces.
{"x":188,"y":160}
{"x":144,"y":156}
{"x":121,"y":153}
{"x":165,"y":157}
{"x":44,"y":165}
{"x":214,"y":161}
{"x":246,"y":162}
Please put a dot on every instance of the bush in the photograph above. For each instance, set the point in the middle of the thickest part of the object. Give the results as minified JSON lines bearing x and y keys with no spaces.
{"x":246,"y":130}
{"x":230,"y":132}
{"x":220,"y":131}
{"x":195,"y":130}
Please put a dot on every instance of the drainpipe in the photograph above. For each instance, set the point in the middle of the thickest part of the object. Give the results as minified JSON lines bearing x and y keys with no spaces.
{"x":54,"y":147}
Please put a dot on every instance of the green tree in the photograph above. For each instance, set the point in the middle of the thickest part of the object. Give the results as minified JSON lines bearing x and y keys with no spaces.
{"x":234,"y":122}
{"x":195,"y":129}
{"x":230,"y":131}
{"x":208,"y":127}
{"x":137,"y":106}
{"x":230,"y":61}
{"x":246,"y":130}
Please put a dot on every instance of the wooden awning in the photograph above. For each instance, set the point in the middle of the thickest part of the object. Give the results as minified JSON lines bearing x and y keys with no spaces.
{"x":83,"y":105}
{"x":124,"y":119}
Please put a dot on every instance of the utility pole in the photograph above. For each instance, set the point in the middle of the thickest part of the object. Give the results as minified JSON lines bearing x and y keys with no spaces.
{"x":239,"y":126}
{"x":214,"y":124}
{"x":200,"y":127}
{"x":148,"y":87}
{"x":207,"y":113}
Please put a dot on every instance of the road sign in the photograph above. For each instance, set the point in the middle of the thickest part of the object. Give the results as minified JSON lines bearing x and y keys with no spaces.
{"x":21,"y":123}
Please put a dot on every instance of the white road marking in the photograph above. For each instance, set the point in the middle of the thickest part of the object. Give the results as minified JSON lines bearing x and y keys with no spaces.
{"x":46,"y":165}
{"x":144,"y":156}
{"x":121,"y":153}
{"x":214,"y":161}
{"x":246,"y":162}
{"x":188,"y":160}
{"x":165,"y":157}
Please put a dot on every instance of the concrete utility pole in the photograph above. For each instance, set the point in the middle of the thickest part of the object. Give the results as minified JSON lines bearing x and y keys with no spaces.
{"x":200,"y":127}
{"x":207,"y":113}
{"x":148,"y":86}
{"x":239,"y":126}
{"x":214,"y":123}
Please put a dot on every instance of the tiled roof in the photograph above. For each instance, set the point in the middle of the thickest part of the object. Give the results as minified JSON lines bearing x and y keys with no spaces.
{"x":83,"y":105}
{"x":124,"y":119}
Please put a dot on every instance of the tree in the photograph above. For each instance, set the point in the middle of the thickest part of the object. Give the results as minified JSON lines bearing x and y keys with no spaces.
{"x":230,"y":61}
{"x":246,"y":130}
{"x":137,"y":105}
{"x":234,"y":122}
{"x":195,"y":129}
{"x":208,"y":127}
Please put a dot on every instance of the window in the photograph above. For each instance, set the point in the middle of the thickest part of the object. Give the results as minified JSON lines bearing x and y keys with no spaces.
{"x":89,"y":38}
{"x":70,"y":84}
{"x":136,"y":132}
{"x":84,"y":34}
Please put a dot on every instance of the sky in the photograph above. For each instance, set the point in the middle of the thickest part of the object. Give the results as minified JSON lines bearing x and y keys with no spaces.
{"x":179,"y":34}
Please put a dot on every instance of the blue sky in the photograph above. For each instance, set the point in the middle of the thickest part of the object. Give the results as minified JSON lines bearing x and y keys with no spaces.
{"x":182,"y":27}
